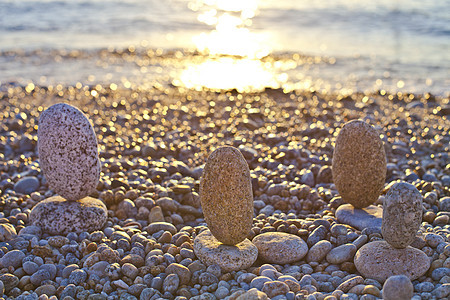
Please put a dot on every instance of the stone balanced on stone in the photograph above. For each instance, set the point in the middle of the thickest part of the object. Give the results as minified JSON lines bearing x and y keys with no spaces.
{"x":359,"y":173}
{"x":227,"y":201}
{"x":68,"y":156}
{"x":402,"y":215}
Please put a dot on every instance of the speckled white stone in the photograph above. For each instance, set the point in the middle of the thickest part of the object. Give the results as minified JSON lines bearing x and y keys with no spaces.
{"x":58,"y":216}
{"x":68,"y":151}
{"x":402,"y":214}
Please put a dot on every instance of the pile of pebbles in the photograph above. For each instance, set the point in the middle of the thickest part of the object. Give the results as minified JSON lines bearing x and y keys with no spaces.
{"x":153,"y":147}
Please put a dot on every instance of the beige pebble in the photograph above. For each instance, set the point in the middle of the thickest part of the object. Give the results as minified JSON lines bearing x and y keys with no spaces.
{"x":379,"y":260}
{"x":229,"y":257}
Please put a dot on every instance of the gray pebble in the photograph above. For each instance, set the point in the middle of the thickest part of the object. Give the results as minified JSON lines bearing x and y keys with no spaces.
{"x":438,"y":273}
{"x":398,"y":287}
{"x":338,"y":229}
{"x":39,"y":277}
{"x":341,"y":254}
{"x":433,"y":240}
{"x":221,"y":292}
{"x":317,"y":235}
{"x":171,"y":283}
{"x":424,"y":287}
{"x":214,"y":269}
{"x":444,"y":204}
{"x":27,"y":185}
{"x":443,"y":291}
{"x":12,"y":259}
{"x":258,"y":282}
{"x":318,"y":251}
{"x":77,"y":277}
{"x":50,"y":268}
{"x":207,"y":278}
{"x":68,"y":270}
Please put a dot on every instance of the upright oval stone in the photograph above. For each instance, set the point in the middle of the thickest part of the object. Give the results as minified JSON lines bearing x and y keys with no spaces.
{"x":359,"y":164}
{"x":402,"y":214}
{"x":226,"y":195}
{"x":68,"y":151}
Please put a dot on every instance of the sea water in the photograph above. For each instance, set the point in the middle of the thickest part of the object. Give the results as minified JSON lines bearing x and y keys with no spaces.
{"x":357,"y":45}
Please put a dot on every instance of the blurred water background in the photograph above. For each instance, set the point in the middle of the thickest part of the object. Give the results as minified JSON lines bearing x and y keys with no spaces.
{"x":343,"y":45}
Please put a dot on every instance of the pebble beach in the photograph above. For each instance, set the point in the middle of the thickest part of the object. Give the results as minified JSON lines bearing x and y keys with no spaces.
{"x":153,"y":145}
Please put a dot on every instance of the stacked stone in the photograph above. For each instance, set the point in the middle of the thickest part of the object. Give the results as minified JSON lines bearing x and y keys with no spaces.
{"x":402,"y":216}
{"x":68,"y":156}
{"x":359,"y":173}
{"x":227,"y":201}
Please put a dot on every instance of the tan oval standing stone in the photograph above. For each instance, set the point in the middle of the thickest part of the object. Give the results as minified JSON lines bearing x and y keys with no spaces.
{"x":229,"y":257}
{"x":402,"y":214}
{"x":226,"y":195}
{"x":379,"y":260}
{"x":68,"y":151}
{"x":359,"y":164}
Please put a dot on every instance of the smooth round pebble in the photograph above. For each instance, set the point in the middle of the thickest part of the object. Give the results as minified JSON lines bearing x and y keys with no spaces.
{"x":230,"y":258}
{"x":341,"y":254}
{"x":27,"y":185}
{"x":12,"y":259}
{"x":398,"y":287}
{"x":183,"y":273}
{"x":379,"y":260}
{"x":171,"y":283}
{"x":280,"y":248}
{"x":7,"y":232}
{"x":318,"y":251}
{"x":275,"y":288}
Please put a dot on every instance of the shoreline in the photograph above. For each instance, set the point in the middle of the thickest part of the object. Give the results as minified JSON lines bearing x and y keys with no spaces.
{"x":153,"y":141}
{"x":135,"y":67}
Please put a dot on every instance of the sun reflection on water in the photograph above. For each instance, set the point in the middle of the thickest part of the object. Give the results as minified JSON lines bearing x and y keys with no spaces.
{"x":232,"y":51}
{"x":225,"y":73}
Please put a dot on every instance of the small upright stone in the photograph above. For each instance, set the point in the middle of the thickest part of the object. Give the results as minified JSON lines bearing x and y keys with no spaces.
{"x":402,"y":214}
{"x":226,"y":195}
{"x":359,"y":164}
{"x":68,"y":151}
{"x":398,"y":287}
